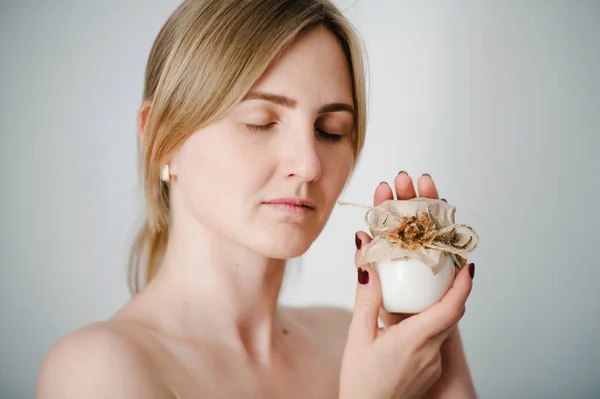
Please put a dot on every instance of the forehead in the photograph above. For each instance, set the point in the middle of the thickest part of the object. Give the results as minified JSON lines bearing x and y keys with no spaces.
{"x":313,"y":69}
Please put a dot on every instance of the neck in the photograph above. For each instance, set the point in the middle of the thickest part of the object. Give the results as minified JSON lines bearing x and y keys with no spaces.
{"x":213,"y":287}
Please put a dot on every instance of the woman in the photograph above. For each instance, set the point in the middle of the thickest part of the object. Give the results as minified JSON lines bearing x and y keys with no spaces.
{"x":252,"y":121}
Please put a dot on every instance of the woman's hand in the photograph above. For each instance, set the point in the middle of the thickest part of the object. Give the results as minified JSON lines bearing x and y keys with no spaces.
{"x":402,"y":360}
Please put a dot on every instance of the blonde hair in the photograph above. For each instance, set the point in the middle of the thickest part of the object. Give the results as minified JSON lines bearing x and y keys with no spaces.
{"x":207,"y":56}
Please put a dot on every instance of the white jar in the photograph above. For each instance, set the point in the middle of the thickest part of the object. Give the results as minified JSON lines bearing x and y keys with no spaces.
{"x":409,"y":286}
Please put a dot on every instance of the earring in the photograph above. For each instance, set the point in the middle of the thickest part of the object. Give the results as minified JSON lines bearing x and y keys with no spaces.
{"x":165,"y":173}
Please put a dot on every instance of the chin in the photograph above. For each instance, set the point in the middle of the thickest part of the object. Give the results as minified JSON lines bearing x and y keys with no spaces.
{"x":284,"y":244}
{"x":287,"y":253}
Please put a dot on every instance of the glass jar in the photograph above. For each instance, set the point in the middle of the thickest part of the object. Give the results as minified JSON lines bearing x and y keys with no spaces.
{"x":409,"y":286}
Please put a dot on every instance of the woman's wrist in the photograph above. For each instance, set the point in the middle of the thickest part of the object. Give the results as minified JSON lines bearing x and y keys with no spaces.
{"x":456,"y":378}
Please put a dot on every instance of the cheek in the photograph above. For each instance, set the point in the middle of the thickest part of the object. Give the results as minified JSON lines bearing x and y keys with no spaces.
{"x":201,"y":168}
{"x":217,"y":169}
{"x":337,"y":166}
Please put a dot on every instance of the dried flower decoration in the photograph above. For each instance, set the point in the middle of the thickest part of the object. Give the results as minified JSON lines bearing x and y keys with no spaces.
{"x":422,"y":228}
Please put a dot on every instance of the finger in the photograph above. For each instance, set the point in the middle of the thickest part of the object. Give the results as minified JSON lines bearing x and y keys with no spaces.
{"x":364,"y":325}
{"x":449,"y":310}
{"x":388,"y":319}
{"x":361,"y":238}
{"x":405,"y":188}
{"x":427,"y":187}
{"x":368,"y":295}
{"x":383,"y":192}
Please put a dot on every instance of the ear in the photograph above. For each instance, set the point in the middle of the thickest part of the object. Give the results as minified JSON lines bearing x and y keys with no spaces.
{"x":173,"y":161}
{"x":143,"y":115}
{"x":143,"y":119}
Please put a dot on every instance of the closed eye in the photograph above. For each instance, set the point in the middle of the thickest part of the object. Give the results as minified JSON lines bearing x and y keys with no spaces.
{"x":322,"y":133}
{"x":329,"y":136}
{"x":260,"y":127}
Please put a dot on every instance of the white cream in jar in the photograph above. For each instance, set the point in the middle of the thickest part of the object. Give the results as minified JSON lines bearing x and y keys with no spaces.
{"x":409,"y":286}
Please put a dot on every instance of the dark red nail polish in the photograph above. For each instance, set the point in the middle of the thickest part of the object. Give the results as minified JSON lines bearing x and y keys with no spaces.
{"x":444,"y":199}
{"x":363,"y":276}
{"x":358,"y":241}
{"x":472,"y":270}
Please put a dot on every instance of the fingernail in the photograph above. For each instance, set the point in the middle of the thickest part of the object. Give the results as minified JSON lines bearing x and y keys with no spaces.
{"x":472,"y":270}
{"x":426,"y":174}
{"x":399,"y":173}
{"x":444,"y":199}
{"x":358,"y":241}
{"x":363,"y":276}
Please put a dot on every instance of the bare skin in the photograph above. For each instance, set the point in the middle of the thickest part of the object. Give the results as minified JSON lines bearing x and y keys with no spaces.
{"x":209,"y":325}
{"x":151,"y":363}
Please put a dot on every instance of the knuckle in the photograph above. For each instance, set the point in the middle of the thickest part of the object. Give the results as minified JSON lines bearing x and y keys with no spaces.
{"x":415,"y":345}
{"x":409,"y":345}
{"x":414,"y":342}
{"x":362,"y":301}
{"x":469,"y":287}
{"x":455,"y":313}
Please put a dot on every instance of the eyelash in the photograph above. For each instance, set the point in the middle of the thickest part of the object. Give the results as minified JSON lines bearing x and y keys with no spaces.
{"x":325,"y":135}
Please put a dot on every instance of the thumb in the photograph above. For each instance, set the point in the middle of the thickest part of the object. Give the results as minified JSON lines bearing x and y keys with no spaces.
{"x":364,"y":324}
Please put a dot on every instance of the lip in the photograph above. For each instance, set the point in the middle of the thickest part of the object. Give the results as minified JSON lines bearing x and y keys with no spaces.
{"x":293,"y":205}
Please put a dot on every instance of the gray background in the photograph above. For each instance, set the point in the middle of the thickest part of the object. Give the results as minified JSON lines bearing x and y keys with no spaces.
{"x":498,"y":100}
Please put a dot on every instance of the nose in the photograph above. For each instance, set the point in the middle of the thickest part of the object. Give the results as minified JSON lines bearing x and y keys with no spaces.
{"x":301,"y":156}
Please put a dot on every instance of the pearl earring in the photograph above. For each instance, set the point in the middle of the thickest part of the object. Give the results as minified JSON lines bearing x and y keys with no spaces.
{"x":165,"y":173}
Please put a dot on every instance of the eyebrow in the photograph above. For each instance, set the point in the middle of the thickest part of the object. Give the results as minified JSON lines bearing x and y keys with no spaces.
{"x":291,"y":103}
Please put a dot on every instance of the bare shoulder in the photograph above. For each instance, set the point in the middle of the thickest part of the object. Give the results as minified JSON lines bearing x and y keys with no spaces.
{"x":98,"y":361}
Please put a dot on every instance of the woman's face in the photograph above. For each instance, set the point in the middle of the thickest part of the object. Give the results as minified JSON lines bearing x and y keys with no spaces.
{"x":268,"y":174}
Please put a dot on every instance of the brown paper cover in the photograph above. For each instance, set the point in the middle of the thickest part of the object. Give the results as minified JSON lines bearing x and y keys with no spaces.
{"x":421,"y":228}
